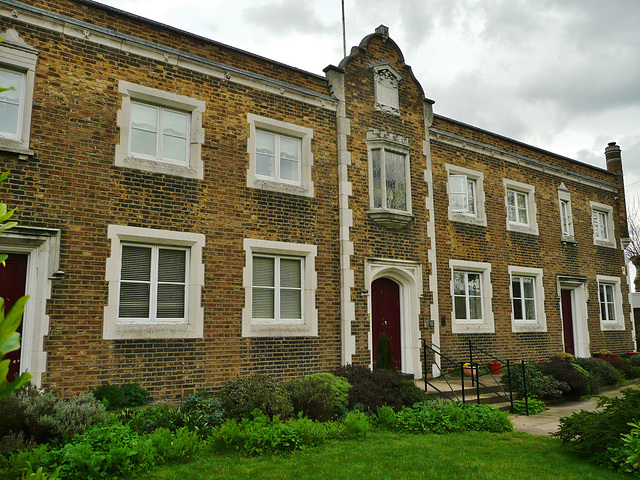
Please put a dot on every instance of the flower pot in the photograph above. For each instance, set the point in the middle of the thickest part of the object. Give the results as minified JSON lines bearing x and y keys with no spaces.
{"x":494,"y":367}
{"x":632,"y":354}
{"x":468,"y":371}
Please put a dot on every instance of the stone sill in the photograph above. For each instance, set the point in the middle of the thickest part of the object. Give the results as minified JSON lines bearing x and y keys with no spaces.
{"x":390,"y":220}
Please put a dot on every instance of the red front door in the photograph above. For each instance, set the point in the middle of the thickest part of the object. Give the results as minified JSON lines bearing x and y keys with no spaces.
{"x":385,"y":306}
{"x":567,"y":322}
{"x":13,"y":278}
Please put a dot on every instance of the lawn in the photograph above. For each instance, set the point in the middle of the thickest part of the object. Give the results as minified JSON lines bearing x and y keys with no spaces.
{"x":472,"y":455}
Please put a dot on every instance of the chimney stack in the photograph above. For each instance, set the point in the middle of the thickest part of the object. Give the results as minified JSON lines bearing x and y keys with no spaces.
{"x":613,"y":157}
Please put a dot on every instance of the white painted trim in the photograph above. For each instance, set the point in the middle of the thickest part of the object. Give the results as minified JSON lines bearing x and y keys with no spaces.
{"x":304,"y":134}
{"x":409,"y":276}
{"x":610,"y":241}
{"x":156,"y":52}
{"x":540,"y":323}
{"x":123,"y":158}
{"x":615,"y":282}
{"x":532,"y":215}
{"x":480,"y":217}
{"x":309,"y":326}
{"x":487,"y":325}
{"x":43,"y":249}
{"x":193,"y":327}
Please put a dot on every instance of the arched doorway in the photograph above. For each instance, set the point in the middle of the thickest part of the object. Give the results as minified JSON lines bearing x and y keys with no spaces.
{"x":385,"y":317}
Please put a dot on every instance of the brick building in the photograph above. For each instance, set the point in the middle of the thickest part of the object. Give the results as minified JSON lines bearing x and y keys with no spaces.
{"x":190,"y":212}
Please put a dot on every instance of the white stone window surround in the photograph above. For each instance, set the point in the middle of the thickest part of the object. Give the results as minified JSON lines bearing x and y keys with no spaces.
{"x":17,"y":56}
{"x":285,"y":328}
{"x":487,"y":324}
{"x":117,"y":329}
{"x":618,"y":322}
{"x":602,"y":211}
{"x":304,"y":134}
{"x":480,"y":217}
{"x":540,"y":322}
{"x":566,"y":214}
{"x":529,"y":191}
{"x":153,"y":96}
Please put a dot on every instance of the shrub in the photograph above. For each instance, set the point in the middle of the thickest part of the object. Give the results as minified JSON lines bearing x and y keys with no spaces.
{"x":635,"y":361}
{"x":625,"y":367}
{"x":202,"y":412}
{"x":484,"y":418}
{"x":42,"y":417}
{"x":588,"y":432}
{"x":533,"y":405}
{"x":539,"y":385}
{"x":242,"y":396}
{"x":117,"y":397}
{"x":321,"y":396}
{"x":631,"y":447}
{"x":601,"y":371}
{"x":570,"y":373}
{"x":371,"y":390}
{"x":12,"y":466}
{"x":149,"y":419}
{"x":174,"y":446}
{"x":355,"y":425}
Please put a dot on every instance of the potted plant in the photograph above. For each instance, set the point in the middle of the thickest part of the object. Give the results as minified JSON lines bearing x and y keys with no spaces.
{"x":605,"y":354}
{"x":494,"y":367}
{"x":468,"y":370}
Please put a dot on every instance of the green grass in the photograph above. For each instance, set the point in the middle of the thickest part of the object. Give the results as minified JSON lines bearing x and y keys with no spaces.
{"x":473,"y":456}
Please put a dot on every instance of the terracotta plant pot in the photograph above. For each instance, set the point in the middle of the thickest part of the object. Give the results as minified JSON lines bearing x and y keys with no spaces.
{"x":468,"y":371}
{"x":632,"y":354}
{"x":494,"y":367}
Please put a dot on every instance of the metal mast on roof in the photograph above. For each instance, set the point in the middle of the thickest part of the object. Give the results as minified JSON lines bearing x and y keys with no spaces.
{"x":344,"y":33}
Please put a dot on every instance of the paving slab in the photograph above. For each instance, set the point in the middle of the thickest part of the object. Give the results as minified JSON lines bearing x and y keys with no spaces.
{"x":547,"y":422}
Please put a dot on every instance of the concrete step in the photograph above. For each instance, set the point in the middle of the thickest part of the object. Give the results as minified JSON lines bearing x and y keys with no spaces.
{"x":490,"y":391}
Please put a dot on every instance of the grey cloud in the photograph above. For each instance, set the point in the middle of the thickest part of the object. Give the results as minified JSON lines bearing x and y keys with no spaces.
{"x":290,"y":16}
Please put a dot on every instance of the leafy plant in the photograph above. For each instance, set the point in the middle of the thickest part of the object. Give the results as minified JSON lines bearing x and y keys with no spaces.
{"x":39,"y":474}
{"x":116,"y":397}
{"x":355,"y":425}
{"x":242,"y":396}
{"x":587,"y":432}
{"x":149,"y":419}
{"x":322,"y":396}
{"x":601,"y":372}
{"x":625,"y":367}
{"x":533,"y":405}
{"x":539,"y":384}
{"x":631,"y":445}
{"x":571,"y":374}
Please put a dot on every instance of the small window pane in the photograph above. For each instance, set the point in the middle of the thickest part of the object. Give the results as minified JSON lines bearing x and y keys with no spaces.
{"x":289,"y":170}
{"x":175,"y":124}
{"x":460,"y":308}
{"x":396,"y":181}
{"x":134,"y":300}
{"x":511,"y":199}
{"x":265,"y":165}
{"x":9,"y":116}
{"x":289,"y":148}
{"x":611,"y":312}
{"x":263,"y":271}
{"x":474,"y":284}
{"x":458,"y":183}
{"x":265,"y":143}
{"x":458,"y":283}
{"x":174,"y":148}
{"x":517,"y":308}
{"x":515,"y":286}
{"x":143,"y":142}
{"x":136,"y":263}
{"x":377,"y":178}
{"x":475,"y":308}
{"x":171,"y":301}
{"x":528,"y":287}
{"x":263,"y":303}
{"x":171,"y":265}
{"x":530,"y":309}
{"x":290,"y":273}
{"x":144,"y":117}
{"x":290,"y":304}
{"x":471,"y":197}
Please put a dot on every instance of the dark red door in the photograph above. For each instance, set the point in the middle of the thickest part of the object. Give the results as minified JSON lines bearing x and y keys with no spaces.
{"x":13,"y":278}
{"x":385,"y":306}
{"x":567,"y":322}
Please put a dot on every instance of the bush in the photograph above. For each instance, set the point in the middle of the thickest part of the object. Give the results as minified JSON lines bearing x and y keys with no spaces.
{"x":149,"y":419}
{"x":202,"y":412}
{"x":601,"y":371}
{"x":539,"y":385}
{"x":635,"y":361}
{"x":533,"y":405}
{"x":625,"y":367}
{"x":371,"y":390}
{"x":570,"y":373}
{"x":117,"y":397}
{"x":631,"y":447}
{"x":43,"y":418}
{"x":589,"y":432}
{"x":13,"y":465}
{"x":242,"y":396}
{"x":321,"y":396}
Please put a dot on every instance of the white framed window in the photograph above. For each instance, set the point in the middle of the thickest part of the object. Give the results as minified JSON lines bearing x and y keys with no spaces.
{"x":471,"y":293}
{"x":602,"y":222}
{"x":566,"y":215}
{"x":17,"y":73}
{"x":527,"y":299}
{"x":155,"y":280}
{"x":280,"y":156}
{"x":466,"y":195}
{"x":160,"y":132}
{"x":610,"y":302}
{"x":521,"y":207}
{"x":280,"y":282}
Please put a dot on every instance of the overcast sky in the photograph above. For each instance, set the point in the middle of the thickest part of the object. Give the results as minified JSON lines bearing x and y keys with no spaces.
{"x":563,"y":75}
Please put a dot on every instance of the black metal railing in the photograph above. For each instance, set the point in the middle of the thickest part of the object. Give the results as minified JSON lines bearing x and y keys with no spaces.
{"x":481,"y":367}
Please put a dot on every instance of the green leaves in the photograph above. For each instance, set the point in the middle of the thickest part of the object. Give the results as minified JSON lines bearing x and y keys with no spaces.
{"x":9,"y":342}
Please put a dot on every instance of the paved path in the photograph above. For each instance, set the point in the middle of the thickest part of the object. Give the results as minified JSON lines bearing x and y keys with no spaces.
{"x":548,"y":421}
